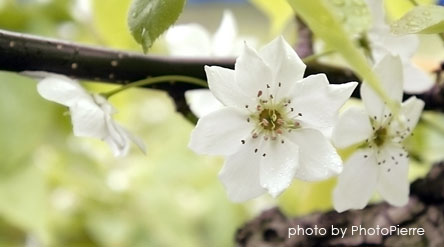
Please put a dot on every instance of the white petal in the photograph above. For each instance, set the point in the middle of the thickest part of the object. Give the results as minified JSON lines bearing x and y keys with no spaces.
{"x":117,"y":138}
{"x":357,"y":182}
{"x":240,"y":173}
{"x":88,"y":120}
{"x":220,"y":132}
{"x":389,"y":71}
{"x":252,"y":74}
{"x":62,"y":90}
{"x":352,"y":127}
{"x":202,"y":102}
{"x":222,"y":84}
{"x":411,"y":110}
{"x":285,"y":64}
{"x":383,"y":43}
{"x":278,"y":166}
{"x":318,"y":159}
{"x":393,"y":184}
{"x":225,"y":36}
{"x":416,"y":80}
{"x":189,"y":40}
{"x":318,"y":101}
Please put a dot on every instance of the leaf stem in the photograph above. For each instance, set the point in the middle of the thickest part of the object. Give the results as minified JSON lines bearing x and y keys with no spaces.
{"x":158,"y":79}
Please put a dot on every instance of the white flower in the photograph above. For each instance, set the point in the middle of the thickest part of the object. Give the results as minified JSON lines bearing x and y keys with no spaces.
{"x":202,"y":102}
{"x":272,"y":123}
{"x":380,"y":163}
{"x":90,"y":114}
{"x":193,"y":40}
{"x":383,"y":42}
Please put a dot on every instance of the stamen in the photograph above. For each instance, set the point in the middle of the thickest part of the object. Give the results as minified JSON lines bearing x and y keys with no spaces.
{"x":268,"y":86}
{"x":259,"y":93}
{"x":243,"y":141}
{"x":279,"y":84}
{"x":255,"y":150}
{"x":264,"y":154}
{"x":300,"y":114}
{"x":246,"y":106}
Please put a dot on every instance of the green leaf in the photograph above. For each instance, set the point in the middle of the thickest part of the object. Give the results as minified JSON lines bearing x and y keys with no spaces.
{"x":353,"y":14}
{"x":325,"y":24}
{"x":421,"y":19}
{"x":148,"y":19}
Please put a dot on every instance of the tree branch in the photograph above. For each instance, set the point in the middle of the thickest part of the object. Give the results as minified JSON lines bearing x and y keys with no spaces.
{"x":425,"y":209}
{"x":22,"y":52}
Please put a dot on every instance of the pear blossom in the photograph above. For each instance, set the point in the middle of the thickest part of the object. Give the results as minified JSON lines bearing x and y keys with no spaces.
{"x":193,"y":40}
{"x":380,"y":162}
{"x":273,"y":123}
{"x":382,"y":42}
{"x":91,"y":115}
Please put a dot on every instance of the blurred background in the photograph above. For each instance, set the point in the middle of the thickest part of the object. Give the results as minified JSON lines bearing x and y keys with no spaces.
{"x":60,"y":190}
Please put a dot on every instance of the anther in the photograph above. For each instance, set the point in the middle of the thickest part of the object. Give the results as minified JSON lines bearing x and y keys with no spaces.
{"x":255,"y":150}
{"x":255,"y":135}
{"x":300,"y":114}
{"x":365,"y":156}
{"x":259,"y":93}
{"x":246,"y":106}
{"x":243,"y":141}
{"x":291,"y":109}
{"x":268,"y":86}
{"x":279,"y":84}
{"x":282,"y":141}
{"x":279,"y":131}
{"x":271,"y":96}
{"x":264,"y":154}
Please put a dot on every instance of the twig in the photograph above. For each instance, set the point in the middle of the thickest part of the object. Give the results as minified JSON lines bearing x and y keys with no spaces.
{"x":22,"y":52}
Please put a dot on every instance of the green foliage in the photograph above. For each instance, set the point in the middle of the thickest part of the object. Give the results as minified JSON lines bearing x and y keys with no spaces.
{"x":325,"y":24}
{"x":421,"y":19}
{"x":113,"y":32}
{"x":278,"y":12}
{"x":148,"y":19}
{"x":24,"y":201}
{"x":18,"y":139}
{"x":353,"y":14}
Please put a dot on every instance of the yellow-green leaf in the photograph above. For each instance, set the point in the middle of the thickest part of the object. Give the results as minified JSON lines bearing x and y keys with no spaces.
{"x":278,"y":12}
{"x":421,"y":19}
{"x":148,"y":19}
{"x":353,"y":14}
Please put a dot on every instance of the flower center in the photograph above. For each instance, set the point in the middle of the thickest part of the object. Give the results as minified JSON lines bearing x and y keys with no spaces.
{"x":270,"y":119}
{"x":380,"y":136}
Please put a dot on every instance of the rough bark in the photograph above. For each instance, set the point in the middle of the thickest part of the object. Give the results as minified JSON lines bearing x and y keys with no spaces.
{"x":425,"y":209}
{"x":22,"y":52}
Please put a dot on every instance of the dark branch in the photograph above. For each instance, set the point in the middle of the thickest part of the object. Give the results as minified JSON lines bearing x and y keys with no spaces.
{"x":22,"y":52}
{"x":425,"y":209}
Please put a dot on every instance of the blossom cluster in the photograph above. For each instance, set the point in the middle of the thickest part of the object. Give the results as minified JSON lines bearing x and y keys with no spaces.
{"x":272,"y":125}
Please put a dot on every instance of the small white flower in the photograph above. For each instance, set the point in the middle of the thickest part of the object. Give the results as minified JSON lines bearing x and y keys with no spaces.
{"x":381,"y":163}
{"x":271,"y":128}
{"x":90,"y":114}
{"x":193,"y":40}
{"x":383,"y":42}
